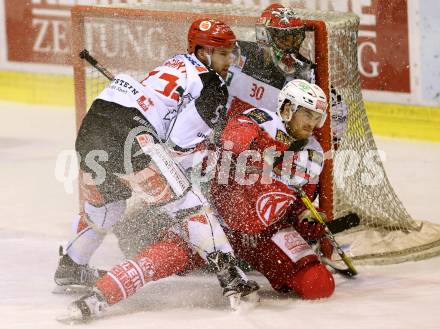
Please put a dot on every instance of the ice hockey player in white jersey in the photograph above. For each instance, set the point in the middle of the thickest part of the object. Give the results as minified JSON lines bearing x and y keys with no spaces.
{"x":121,"y":144}
{"x":273,"y":60}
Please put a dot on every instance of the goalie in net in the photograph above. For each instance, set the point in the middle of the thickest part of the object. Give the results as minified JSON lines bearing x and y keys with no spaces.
{"x":274,"y":59}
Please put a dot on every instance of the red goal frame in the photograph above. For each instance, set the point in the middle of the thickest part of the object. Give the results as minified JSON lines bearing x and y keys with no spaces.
{"x":79,"y":13}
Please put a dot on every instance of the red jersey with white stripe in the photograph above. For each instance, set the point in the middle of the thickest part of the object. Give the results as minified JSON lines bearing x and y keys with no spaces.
{"x":252,"y":205}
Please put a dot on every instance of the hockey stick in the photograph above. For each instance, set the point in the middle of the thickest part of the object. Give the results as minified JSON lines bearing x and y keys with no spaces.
{"x":84,"y":54}
{"x":159,"y":156}
{"x":346,"y":272}
{"x":351,"y":270}
{"x":343,"y":223}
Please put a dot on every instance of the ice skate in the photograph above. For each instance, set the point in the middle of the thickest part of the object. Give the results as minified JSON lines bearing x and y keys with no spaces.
{"x":84,"y":309}
{"x":234,"y":284}
{"x":71,"y":277}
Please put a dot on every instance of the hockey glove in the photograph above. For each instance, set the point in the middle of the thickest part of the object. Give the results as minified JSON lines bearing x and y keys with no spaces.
{"x":308,"y":227}
{"x":326,"y":247}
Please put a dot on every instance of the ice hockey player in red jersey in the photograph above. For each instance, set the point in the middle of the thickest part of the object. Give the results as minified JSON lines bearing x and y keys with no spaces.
{"x":266,"y":222}
{"x":269,"y":63}
{"x":123,"y":146}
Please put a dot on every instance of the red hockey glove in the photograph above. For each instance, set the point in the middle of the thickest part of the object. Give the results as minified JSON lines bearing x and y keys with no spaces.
{"x":308,"y":227}
{"x":326,"y":247}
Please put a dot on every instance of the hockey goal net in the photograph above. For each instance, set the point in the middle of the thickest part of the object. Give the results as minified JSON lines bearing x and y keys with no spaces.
{"x":136,"y":38}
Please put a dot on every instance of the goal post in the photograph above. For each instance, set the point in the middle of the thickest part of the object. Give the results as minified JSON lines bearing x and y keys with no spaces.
{"x":87,"y":20}
{"x":136,"y":38}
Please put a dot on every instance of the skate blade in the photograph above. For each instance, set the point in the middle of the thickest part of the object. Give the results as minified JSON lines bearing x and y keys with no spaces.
{"x":71,"y":322}
{"x":70,"y":319}
{"x":239,"y":302}
{"x":235,"y":301}
{"x":248,"y":302}
{"x":252,"y":298}
{"x":71,"y":290}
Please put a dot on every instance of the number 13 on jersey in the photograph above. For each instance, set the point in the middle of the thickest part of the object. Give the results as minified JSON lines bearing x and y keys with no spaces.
{"x":171,"y":88}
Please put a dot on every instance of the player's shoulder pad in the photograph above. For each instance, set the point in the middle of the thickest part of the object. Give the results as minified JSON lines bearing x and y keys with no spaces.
{"x":177,"y":62}
{"x":258,"y":115}
{"x":198,"y":65}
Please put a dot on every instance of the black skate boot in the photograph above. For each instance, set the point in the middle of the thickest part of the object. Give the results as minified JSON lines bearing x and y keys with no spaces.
{"x":85,"y":309}
{"x":72,"y":277}
{"x":235,"y":284}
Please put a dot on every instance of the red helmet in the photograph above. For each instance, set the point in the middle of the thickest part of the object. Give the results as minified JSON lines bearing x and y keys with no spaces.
{"x":210,"y":32}
{"x":277,"y":21}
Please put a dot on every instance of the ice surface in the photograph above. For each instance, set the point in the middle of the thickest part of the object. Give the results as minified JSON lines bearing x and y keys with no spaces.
{"x":36,"y":214}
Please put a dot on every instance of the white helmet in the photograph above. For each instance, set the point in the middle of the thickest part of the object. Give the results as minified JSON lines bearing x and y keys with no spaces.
{"x":305,"y":94}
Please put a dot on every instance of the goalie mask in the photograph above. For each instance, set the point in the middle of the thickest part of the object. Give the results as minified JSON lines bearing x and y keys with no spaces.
{"x":211,"y":34}
{"x":304,"y":94}
{"x":282,"y":32}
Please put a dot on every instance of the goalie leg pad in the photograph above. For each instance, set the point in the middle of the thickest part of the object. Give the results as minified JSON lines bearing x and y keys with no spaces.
{"x":206,"y":235}
{"x":150,"y":186}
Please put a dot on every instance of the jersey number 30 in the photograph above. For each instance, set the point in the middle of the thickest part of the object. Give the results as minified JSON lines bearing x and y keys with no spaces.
{"x":257,"y":91}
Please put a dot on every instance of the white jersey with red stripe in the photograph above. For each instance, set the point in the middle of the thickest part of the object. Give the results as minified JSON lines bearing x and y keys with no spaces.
{"x":183,"y":99}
